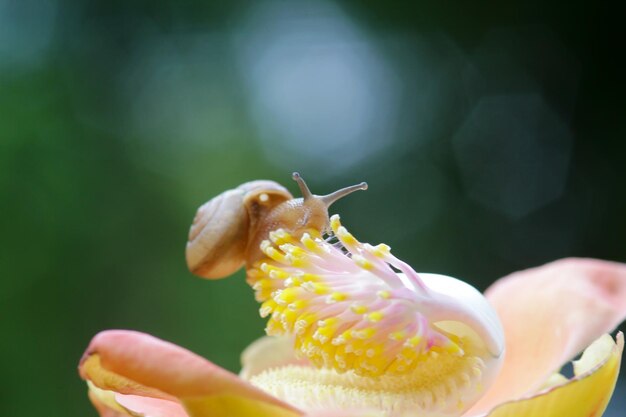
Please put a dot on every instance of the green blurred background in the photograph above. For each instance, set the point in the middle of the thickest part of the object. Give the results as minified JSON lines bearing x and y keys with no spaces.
{"x":491,"y":137}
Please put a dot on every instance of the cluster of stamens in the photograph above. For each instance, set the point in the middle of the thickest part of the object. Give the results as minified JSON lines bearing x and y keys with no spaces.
{"x":345,"y":304}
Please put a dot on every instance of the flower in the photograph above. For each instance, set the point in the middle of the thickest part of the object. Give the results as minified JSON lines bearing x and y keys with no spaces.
{"x":351,"y":336}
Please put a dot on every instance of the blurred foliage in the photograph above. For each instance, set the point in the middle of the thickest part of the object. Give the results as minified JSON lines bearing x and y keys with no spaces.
{"x":118,"y":119}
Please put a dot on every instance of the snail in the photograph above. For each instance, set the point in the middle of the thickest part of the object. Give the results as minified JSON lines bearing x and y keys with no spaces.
{"x":227,"y":231}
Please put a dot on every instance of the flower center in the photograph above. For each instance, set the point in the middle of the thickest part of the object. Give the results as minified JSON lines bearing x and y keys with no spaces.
{"x":442,"y":385}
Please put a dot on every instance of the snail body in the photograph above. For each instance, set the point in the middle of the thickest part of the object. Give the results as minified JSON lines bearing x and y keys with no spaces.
{"x":227,"y":231}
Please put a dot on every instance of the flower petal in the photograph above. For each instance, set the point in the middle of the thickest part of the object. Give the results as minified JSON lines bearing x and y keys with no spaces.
{"x":136,"y":364}
{"x":104,"y":402}
{"x":268,"y":352}
{"x":350,"y":413}
{"x":586,"y":395}
{"x":549,"y":315}
{"x":112,"y":404}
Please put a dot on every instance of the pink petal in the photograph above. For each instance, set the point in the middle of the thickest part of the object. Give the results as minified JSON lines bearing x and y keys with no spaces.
{"x":549,"y":315}
{"x":137,"y":364}
{"x":153,"y":407}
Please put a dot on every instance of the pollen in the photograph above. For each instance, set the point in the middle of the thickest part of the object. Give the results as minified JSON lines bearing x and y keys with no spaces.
{"x":375,"y":317}
{"x":383,"y":294}
{"x":438,"y":387}
{"x":344,"y":304}
{"x":380,"y":250}
{"x":337,"y":296}
{"x":358,"y":309}
{"x":362,"y":262}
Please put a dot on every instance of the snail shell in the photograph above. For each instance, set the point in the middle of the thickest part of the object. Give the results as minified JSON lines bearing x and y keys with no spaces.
{"x":218,"y":237}
{"x":228,"y":229}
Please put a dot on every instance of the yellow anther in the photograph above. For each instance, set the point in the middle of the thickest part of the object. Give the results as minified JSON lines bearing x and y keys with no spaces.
{"x":343,"y":338}
{"x":362,"y":262}
{"x":293,"y":282}
{"x":302,"y":324}
{"x":328,"y":322}
{"x":397,"y":336}
{"x":296,"y":261}
{"x":324,"y":334}
{"x":414,"y":341}
{"x":384,"y":294}
{"x":267,"y":308}
{"x":375,"y":317}
{"x":287,"y":318}
{"x":317,"y":288}
{"x":287,"y":296}
{"x":297,"y":305}
{"x":338,"y":296}
{"x":346,"y":358}
{"x":380,"y":250}
{"x":276,"y":273}
{"x":364,"y":333}
{"x":274,"y":254}
{"x":280,"y":237}
{"x":263,"y":294}
{"x":346,"y":237}
{"x":335,"y":224}
{"x":292,"y":250}
{"x":263,"y":284}
{"x":310,"y":277}
{"x":311,"y":244}
{"x":358,"y":309}
{"x":273,"y":327}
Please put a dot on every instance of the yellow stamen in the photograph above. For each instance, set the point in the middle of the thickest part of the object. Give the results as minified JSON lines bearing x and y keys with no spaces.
{"x":338,"y":296}
{"x":358,"y":309}
{"x":362,"y":262}
{"x":375,"y":317}
{"x":384,"y":294}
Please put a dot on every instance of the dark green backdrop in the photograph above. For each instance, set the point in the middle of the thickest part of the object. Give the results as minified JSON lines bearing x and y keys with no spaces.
{"x":491,"y":137}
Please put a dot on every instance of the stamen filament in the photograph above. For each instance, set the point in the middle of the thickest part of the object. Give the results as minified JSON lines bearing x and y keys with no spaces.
{"x":352,"y":301}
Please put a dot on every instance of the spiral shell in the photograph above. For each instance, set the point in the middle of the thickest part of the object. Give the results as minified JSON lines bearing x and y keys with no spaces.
{"x":220,"y":231}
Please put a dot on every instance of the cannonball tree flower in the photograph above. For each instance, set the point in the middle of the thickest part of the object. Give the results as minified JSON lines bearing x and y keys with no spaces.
{"x":349,"y":335}
{"x":354,"y":331}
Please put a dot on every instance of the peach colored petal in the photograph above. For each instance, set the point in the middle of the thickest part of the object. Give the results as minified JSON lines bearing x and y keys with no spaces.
{"x":586,"y":395}
{"x":550,"y":314}
{"x":153,"y":407}
{"x":113,"y":404}
{"x":137,"y":364}
{"x":268,"y":352}
{"x":347,"y":413}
